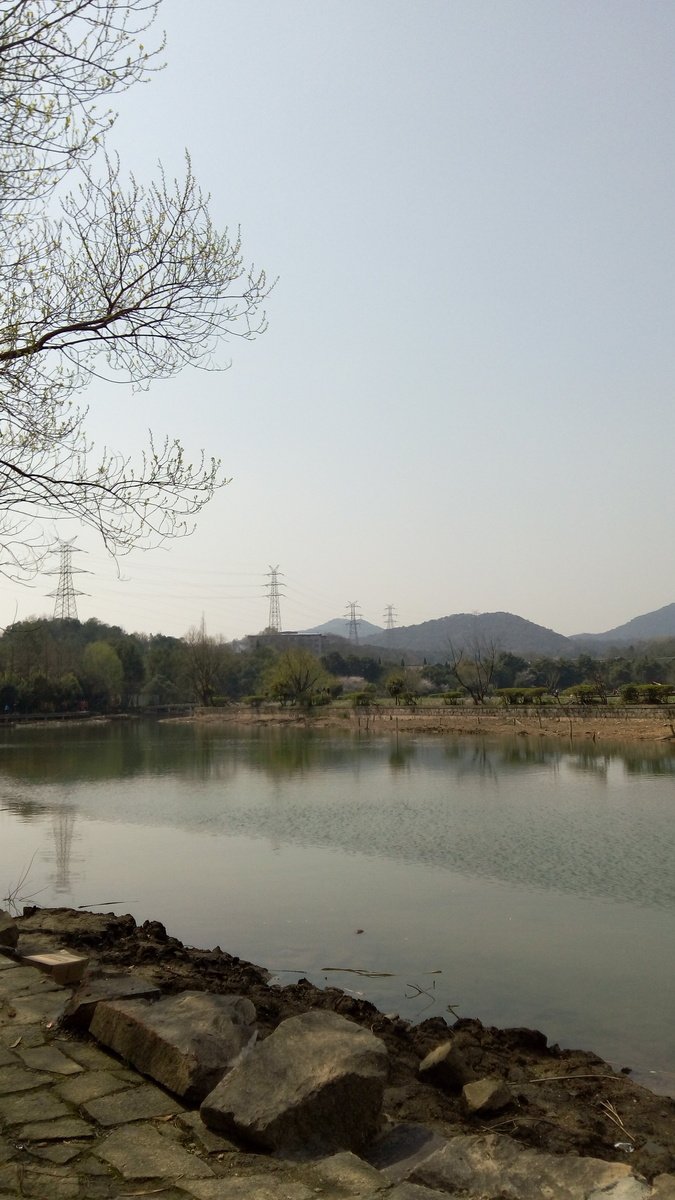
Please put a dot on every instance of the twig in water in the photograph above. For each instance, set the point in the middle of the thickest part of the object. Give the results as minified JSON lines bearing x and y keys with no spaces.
{"x":557,"y":1078}
{"x":14,"y":899}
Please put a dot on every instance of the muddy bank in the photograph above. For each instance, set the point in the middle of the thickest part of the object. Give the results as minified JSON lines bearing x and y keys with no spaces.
{"x":647,"y":725}
{"x":564,"y":1101}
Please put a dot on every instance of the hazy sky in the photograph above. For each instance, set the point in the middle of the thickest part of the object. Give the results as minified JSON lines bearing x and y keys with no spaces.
{"x":464,"y":400}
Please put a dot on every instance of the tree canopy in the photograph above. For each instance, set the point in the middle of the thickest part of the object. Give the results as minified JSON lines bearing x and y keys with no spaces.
{"x":100,"y":276}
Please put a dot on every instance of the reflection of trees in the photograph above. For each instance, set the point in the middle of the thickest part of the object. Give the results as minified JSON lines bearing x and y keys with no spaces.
{"x":401,"y":754}
{"x":589,"y":763}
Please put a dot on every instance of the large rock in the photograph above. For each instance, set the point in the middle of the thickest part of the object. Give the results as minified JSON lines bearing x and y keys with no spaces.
{"x":446,"y":1068}
{"x":315,"y":1084}
{"x":486,"y":1096}
{"x":82,"y":1005}
{"x":9,"y":930}
{"x":496,"y":1167}
{"x":185,"y":1042}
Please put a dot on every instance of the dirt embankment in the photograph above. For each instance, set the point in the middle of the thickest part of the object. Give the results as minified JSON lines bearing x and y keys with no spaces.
{"x":564,"y":1101}
{"x":613,"y":725}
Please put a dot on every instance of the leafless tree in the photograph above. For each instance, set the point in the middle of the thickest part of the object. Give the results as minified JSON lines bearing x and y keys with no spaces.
{"x":473,"y":666}
{"x":111,"y":279}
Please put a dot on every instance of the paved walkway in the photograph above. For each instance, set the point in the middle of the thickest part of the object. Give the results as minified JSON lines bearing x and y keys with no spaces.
{"x":76,"y":1123}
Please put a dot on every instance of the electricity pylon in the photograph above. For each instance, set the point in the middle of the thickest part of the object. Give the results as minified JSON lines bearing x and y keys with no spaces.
{"x":65,"y":606}
{"x":274,"y":621}
{"x":353,"y":621}
{"x":389,"y":617}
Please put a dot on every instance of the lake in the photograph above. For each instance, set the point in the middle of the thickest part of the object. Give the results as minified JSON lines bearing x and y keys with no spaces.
{"x":515,"y":881}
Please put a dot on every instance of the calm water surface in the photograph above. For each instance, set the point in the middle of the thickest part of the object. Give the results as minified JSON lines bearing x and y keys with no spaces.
{"x":515,"y":882}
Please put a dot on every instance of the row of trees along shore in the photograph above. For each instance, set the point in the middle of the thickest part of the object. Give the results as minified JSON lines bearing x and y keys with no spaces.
{"x":60,"y":666}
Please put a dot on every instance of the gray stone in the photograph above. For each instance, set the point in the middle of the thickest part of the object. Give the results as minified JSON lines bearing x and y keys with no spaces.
{"x":49,"y":1058}
{"x":55,"y":1131}
{"x":140,"y":1152}
{"x":7,"y":1058}
{"x":133,"y":1104}
{"x":402,"y":1148}
{"x":413,"y":1191}
{"x":19,"y":1079}
{"x":663,"y":1187}
{"x":486,"y":1096}
{"x":49,"y":1182}
{"x":82,"y":1004}
{"x":60,"y":1152}
{"x":495,"y":1166}
{"x":315,"y":1084}
{"x":185,"y":1042}
{"x":248,"y":1187}
{"x":90,"y":1085}
{"x":87,"y":1055}
{"x":9,"y":930}
{"x":26,"y":981}
{"x":349,"y":1173}
{"x":213,"y":1143}
{"x":446,"y":1068}
{"x":34,"y":1009}
{"x":39,"y":1105}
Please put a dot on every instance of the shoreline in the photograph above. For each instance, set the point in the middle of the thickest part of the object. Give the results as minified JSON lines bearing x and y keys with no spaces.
{"x":561,"y":1101}
{"x":564,"y":725}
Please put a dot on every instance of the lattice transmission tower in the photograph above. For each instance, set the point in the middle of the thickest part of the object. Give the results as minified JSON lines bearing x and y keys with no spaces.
{"x":390,"y":616}
{"x":353,"y":621}
{"x":274,"y":593}
{"x":65,"y":606}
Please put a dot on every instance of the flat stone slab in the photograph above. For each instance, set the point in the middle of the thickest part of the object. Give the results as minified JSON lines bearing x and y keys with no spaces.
{"x":87,"y":1055}
{"x":212,"y":1143}
{"x":314,"y":1085}
{"x":48,"y":1182}
{"x":36,"y":1008}
{"x":349,"y":1174}
{"x":26,"y":981}
{"x":401,"y":1149}
{"x":38,"y":1105}
{"x":20,"y":1079}
{"x":48,"y":1058}
{"x":414,"y":1191}
{"x":495,"y":1167}
{"x":185,"y":1042}
{"x":55,"y":1131}
{"x":133,"y":1104}
{"x":249,"y":1187}
{"x":82,"y":1004}
{"x":90,"y":1085}
{"x":140,"y":1152}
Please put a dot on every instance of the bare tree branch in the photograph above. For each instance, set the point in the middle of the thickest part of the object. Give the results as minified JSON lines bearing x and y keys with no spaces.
{"x":128,"y":282}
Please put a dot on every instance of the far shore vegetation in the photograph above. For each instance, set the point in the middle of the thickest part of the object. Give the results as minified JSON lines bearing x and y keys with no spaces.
{"x":50,"y":666}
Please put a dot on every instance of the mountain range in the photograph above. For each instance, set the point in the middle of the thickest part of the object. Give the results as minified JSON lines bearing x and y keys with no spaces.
{"x":509,"y":632}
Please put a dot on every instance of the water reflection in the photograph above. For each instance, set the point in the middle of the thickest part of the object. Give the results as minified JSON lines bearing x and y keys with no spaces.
{"x":521,"y":811}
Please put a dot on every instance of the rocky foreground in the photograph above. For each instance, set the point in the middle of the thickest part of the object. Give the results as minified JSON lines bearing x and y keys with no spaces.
{"x":175,"y":1072}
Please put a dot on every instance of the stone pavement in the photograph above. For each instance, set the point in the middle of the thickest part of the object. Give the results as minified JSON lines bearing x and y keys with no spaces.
{"x":76,"y":1123}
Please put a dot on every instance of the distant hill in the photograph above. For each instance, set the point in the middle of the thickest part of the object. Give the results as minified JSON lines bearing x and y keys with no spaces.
{"x":339,"y":627}
{"x":508,"y":632}
{"x":657,"y":624}
{"x":431,"y":639}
